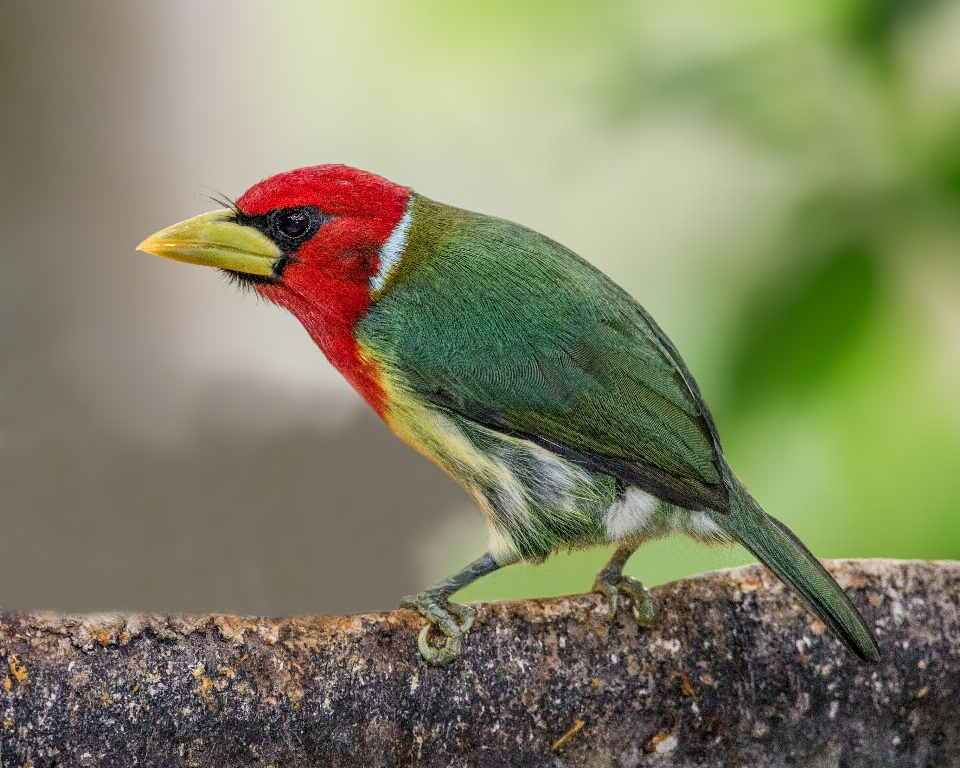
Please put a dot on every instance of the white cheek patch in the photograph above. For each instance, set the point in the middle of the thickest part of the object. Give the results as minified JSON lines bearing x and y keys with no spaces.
{"x":630,"y":514}
{"x":392,"y":250}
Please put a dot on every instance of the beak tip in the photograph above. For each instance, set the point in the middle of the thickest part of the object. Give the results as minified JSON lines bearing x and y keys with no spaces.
{"x":215,"y":240}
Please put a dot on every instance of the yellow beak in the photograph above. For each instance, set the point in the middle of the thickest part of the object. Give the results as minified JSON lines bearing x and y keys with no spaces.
{"x":216,"y":240}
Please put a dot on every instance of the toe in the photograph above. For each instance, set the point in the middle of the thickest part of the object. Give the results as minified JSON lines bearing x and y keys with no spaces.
{"x":465,"y":613}
{"x":452,"y":619}
{"x":640,"y":598}
{"x":437,"y":657}
{"x":612,"y":594}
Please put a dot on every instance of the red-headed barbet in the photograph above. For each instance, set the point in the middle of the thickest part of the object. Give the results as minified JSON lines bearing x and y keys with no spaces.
{"x":536,"y":382}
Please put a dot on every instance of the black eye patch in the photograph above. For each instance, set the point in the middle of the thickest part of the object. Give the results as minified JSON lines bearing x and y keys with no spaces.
{"x":289,"y":228}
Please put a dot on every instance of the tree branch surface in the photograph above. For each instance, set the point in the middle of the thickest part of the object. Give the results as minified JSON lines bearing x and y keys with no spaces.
{"x":733,"y":671}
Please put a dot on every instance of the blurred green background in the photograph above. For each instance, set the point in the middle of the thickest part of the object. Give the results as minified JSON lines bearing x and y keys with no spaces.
{"x":777,"y":182}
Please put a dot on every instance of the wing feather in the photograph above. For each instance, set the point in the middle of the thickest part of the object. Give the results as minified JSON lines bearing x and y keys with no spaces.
{"x":513,"y":331}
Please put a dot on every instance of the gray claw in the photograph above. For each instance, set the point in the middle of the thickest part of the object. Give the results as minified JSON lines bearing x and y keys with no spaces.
{"x":440,"y":615}
{"x":641,"y":601}
{"x":612,"y":594}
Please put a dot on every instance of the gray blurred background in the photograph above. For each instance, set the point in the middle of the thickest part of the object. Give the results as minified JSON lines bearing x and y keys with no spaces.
{"x":779,"y":184}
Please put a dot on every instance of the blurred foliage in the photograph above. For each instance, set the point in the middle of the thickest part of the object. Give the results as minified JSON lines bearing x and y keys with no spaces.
{"x":836,"y":394}
{"x":803,"y":328}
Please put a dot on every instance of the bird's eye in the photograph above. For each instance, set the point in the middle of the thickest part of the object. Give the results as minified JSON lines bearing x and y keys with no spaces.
{"x":290,"y":228}
{"x":293,"y":224}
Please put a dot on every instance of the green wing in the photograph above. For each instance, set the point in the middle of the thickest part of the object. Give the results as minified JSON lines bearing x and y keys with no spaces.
{"x":515,"y":332}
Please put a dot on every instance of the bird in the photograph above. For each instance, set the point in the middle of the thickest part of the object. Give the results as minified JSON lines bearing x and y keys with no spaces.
{"x":529,"y":376}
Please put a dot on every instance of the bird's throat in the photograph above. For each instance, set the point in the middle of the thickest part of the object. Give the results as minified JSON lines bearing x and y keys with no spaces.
{"x":330,"y":320}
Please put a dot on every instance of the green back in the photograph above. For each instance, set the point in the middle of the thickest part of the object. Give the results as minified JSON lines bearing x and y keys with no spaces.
{"x":503,"y":326}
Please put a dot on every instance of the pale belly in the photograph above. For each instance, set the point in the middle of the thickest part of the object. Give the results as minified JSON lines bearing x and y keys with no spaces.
{"x":534,"y":501}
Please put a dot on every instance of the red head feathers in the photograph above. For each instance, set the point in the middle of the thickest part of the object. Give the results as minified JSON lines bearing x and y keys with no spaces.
{"x":342,"y":217}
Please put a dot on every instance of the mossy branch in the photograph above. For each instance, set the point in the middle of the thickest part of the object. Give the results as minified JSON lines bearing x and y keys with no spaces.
{"x":732,"y":672}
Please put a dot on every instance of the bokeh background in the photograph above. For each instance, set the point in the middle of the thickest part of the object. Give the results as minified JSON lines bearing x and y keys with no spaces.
{"x":777,"y":182}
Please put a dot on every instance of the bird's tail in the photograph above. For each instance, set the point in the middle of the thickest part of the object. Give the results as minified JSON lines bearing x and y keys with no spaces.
{"x":782,"y":552}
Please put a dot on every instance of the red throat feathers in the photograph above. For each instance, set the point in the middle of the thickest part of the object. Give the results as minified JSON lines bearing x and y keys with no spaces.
{"x":327,"y":286}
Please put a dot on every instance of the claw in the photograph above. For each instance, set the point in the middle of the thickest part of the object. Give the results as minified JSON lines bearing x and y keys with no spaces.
{"x":641,"y":601}
{"x":441,"y":616}
{"x":612,"y":594}
{"x":437,"y":657}
{"x":465,"y":613}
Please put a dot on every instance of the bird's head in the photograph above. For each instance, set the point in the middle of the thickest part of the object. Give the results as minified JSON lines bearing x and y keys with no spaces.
{"x":307,"y":230}
{"x":318,"y":241}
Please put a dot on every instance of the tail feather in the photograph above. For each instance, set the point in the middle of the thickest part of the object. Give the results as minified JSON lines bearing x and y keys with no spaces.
{"x":783,"y":553}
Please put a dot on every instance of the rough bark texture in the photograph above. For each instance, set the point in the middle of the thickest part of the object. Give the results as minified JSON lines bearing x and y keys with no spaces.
{"x":732,"y":672}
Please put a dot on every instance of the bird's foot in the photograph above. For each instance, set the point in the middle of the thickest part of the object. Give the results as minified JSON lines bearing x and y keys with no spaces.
{"x":641,"y":601}
{"x":452,"y":619}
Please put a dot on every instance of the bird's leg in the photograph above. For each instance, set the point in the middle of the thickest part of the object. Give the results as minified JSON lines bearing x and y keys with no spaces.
{"x":612,"y":583}
{"x":453,"y":619}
